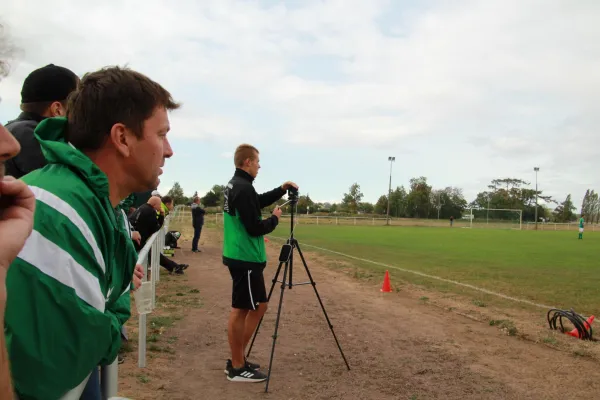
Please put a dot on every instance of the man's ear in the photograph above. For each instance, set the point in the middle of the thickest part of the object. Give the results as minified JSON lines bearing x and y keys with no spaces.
{"x":56,"y":109}
{"x":121,"y":138}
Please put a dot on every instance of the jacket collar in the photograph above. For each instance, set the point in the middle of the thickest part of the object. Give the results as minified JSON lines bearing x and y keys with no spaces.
{"x":51,"y":135}
{"x":27,"y":116}
{"x":243,"y":174}
{"x":31,"y":116}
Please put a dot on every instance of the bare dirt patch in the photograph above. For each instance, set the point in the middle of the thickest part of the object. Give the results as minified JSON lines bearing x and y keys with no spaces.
{"x":410,"y":344}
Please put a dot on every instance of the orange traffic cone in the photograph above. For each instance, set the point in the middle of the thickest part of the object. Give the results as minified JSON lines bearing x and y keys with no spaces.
{"x":387,"y":287}
{"x":575,"y":332}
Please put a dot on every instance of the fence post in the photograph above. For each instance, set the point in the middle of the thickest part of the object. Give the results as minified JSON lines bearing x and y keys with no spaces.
{"x":109,"y":376}
{"x":142,"y":324}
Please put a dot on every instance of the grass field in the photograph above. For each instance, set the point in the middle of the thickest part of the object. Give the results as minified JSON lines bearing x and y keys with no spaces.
{"x":553,"y":268}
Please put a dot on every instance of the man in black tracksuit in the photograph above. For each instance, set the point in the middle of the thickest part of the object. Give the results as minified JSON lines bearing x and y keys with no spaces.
{"x":245,"y":255}
{"x":197,"y":222}
{"x":44,"y":94}
{"x":145,"y":221}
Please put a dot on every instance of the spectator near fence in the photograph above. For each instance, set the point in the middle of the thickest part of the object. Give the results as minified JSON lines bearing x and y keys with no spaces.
{"x":145,"y":221}
{"x":44,"y":94}
{"x":79,"y":258}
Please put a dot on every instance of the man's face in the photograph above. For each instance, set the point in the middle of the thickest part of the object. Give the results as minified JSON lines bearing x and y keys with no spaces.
{"x":9,"y":147}
{"x":149,"y":153}
{"x":253,"y":165}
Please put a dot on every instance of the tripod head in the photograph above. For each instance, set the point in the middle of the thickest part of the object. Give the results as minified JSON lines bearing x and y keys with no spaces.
{"x":293,"y":200}
{"x":293,"y":195}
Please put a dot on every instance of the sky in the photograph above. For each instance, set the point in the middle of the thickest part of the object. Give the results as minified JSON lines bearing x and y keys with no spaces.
{"x":460,"y":92}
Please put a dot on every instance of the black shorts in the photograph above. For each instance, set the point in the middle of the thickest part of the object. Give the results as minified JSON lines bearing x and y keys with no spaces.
{"x":248,"y":288}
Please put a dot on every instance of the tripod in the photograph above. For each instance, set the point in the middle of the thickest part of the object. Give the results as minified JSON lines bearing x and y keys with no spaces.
{"x":286,"y":257}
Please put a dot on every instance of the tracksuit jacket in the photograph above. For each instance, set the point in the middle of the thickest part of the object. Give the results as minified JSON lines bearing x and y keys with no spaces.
{"x":244,"y":228}
{"x":30,"y":157}
{"x":68,"y":289}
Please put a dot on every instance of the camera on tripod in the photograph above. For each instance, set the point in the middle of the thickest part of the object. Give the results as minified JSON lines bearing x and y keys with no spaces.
{"x":293,"y":195}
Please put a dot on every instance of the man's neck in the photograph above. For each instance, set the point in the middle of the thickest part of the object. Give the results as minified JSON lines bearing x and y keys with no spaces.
{"x":117,"y":178}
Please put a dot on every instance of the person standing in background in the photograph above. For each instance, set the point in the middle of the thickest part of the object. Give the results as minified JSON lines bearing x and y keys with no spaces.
{"x":44,"y":95}
{"x":581,"y":223}
{"x":197,"y":222}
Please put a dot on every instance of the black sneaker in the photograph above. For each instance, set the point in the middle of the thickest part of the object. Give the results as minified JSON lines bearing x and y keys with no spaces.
{"x":246,"y":375}
{"x":178,"y":270}
{"x":184,"y":266}
{"x":249,"y":364}
{"x":252,"y":365}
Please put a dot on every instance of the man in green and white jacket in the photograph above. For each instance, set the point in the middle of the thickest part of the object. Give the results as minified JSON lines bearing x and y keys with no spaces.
{"x":65,"y":306}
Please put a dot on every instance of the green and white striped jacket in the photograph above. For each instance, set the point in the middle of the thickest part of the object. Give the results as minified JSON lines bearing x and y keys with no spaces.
{"x":68,"y":289}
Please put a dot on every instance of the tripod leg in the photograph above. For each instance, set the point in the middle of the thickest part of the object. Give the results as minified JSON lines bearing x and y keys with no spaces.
{"x":285,"y":271}
{"x":314,"y":285}
{"x":291,"y":261}
{"x":268,"y":298}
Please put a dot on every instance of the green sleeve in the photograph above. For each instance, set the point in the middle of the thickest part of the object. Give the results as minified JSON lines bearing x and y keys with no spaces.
{"x":53,"y":337}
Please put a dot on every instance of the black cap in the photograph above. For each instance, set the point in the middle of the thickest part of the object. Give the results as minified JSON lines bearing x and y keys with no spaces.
{"x":49,"y":83}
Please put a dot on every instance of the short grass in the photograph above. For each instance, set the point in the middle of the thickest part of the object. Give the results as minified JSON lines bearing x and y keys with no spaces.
{"x":553,"y":268}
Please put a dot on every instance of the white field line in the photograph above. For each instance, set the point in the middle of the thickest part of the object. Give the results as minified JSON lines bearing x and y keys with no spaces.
{"x":426,"y":276}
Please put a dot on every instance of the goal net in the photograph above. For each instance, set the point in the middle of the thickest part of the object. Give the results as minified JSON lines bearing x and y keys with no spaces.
{"x":495,"y":218}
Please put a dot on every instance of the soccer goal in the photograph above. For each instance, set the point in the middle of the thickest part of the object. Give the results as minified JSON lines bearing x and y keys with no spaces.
{"x":495,"y":218}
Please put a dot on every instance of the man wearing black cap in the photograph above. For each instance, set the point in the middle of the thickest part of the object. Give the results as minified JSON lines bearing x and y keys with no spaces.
{"x":44,"y":94}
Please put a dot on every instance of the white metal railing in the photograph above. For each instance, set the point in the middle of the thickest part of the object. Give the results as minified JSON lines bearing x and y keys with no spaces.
{"x":145,"y":299}
{"x":152,"y":248}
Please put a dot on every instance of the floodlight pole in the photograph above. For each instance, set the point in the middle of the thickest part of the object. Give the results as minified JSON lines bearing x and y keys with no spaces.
{"x":536,"y":169}
{"x":391,"y":160}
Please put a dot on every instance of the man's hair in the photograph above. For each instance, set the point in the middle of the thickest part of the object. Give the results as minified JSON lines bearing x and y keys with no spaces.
{"x":243,"y":152}
{"x":167,"y":199}
{"x":109,"y":96}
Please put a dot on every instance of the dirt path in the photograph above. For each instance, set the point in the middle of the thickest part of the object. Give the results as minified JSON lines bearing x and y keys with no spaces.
{"x":398,"y":346}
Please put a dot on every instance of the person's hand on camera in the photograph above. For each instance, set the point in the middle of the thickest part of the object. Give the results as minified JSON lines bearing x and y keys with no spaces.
{"x":288,"y":185}
{"x":277,"y":212}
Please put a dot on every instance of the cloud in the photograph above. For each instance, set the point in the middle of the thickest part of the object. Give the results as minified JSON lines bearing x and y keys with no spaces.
{"x":372,"y":76}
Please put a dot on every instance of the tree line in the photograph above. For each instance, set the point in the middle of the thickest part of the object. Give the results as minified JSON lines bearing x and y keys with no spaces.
{"x":421,"y":200}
